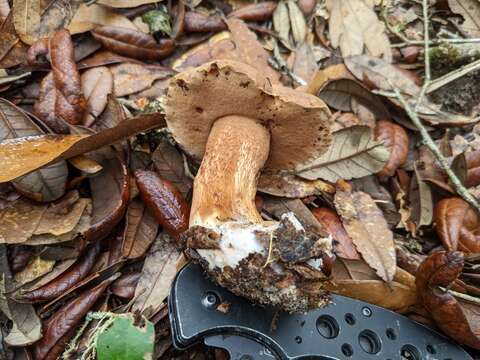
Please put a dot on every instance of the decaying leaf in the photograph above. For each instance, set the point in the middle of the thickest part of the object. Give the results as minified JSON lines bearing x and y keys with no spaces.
{"x":26,"y":154}
{"x":165,"y":201}
{"x":140,"y":232}
{"x":26,"y":328}
{"x":355,"y":279}
{"x":90,"y":16}
{"x":26,"y":17}
{"x":170,"y":166}
{"x":353,"y":154}
{"x":470,"y":11}
{"x":458,"y":319}
{"x":97,"y":84}
{"x":356,"y":29}
{"x":458,"y":225}
{"x":35,"y":268}
{"x":395,"y":138}
{"x":292,"y":186}
{"x":158,"y":272}
{"x":367,"y":227}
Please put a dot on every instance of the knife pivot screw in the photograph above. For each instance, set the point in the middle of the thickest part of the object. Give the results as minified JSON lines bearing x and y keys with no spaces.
{"x":366,"y":311}
{"x":409,"y":352}
{"x":210,"y":300}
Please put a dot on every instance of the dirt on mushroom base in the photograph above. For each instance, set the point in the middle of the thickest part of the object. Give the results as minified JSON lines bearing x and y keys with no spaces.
{"x":291,"y":274}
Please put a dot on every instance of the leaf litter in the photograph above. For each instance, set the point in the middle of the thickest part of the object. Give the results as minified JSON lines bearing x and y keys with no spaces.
{"x":93,"y":180}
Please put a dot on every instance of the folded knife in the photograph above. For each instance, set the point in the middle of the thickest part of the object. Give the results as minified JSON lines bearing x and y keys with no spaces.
{"x":345,"y":330}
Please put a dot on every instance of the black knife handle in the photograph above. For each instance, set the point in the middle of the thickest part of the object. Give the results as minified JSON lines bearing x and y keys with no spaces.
{"x":347,"y":329}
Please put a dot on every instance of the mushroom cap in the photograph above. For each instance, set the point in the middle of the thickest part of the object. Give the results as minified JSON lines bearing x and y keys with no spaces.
{"x":299,"y":123}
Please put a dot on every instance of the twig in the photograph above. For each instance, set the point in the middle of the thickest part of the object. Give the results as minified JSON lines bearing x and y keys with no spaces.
{"x":457,"y":184}
{"x":426,"y":39}
{"x":459,"y":295}
{"x":453,"y":75}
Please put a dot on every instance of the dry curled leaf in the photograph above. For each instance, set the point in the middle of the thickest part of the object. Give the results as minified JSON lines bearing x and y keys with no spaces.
{"x":29,"y":153}
{"x":395,"y":138}
{"x":61,"y":99}
{"x":458,"y":319}
{"x":97,"y":84}
{"x":125,"y":285}
{"x":458,"y":225}
{"x":195,"y":22}
{"x":292,"y":186}
{"x":368,"y":229}
{"x":164,"y":201}
{"x":356,"y":29}
{"x":140,"y":230}
{"x":133,"y":43}
{"x":255,"y":12}
{"x":66,"y":280}
{"x":62,"y":325}
{"x":158,"y":272}
{"x":342,"y":243}
{"x":353,"y":154}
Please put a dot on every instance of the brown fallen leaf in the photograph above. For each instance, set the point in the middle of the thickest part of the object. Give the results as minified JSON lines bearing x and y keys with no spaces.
{"x":356,"y":29}
{"x":26,"y":325}
{"x":158,"y":272}
{"x":26,"y":17}
{"x":470,"y":11}
{"x":395,"y":138}
{"x":355,"y":279}
{"x":342,"y":245}
{"x":132,"y":43}
{"x":125,"y":3}
{"x":292,"y":186}
{"x":12,"y":50}
{"x":421,"y":200}
{"x":61,"y":326}
{"x":110,"y":193}
{"x":457,"y":225}
{"x":61,"y":100}
{"x":66,"y":280}
{"x":131,"y":78}
{"x":97,"y":84}
{"x":125,"y":285}
{"x":103,"y":58}
{"x":46,"y":184}
{"x":195,"y":22}
{"x":367,"y":227}
{"x":169,"y":164}
{"x":24,"y":155}
{"x":458,"y":319}
{"x":89,"y":16}
{"x":35,"y":268}
{"x":354,"y":153}
{"x":255,"y":12}
{"x":141,"y":229}
{"x":165,"y":201}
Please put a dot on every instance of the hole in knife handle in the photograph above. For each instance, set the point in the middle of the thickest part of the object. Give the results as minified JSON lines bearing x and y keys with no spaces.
{"x":431,"y":349}
{"x":350,"y":319}
{"x":409,"y":352}
{"x":347,"y":350}
{"x":369,"y":342}
{"x":327,"y":327}
{"x":391,"y":334}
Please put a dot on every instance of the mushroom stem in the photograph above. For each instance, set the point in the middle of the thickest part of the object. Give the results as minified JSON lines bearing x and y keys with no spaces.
{"x":226,"y":183}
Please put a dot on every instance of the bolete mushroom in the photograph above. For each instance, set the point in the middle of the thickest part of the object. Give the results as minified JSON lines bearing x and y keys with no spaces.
{"x":240,"y":124}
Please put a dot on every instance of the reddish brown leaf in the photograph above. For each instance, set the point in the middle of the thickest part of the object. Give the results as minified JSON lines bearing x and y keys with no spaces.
{"x":165,"y":201}
{"x":132,"y":43}
{"x":125,"y":285}
{"x":141,"y":230}
{"x":197,"y":22}
{"x":458,"y":225}
{"x":110,"y":193}
{"x":103,"y":58}
{"x":18,"y":257}
{"x":66,"y":280}
{"x":343,"y":244}
{"x":395,"y":138}
{"x":64,"y":322}
{"x":458,"y":319}
{"x":61,"y":96}
{"x":472,"y":167}
{"x":255,"y":12}
{"x":307,"y":6}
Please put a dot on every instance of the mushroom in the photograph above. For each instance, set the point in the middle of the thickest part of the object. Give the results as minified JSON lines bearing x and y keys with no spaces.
{"x":233,"y":118}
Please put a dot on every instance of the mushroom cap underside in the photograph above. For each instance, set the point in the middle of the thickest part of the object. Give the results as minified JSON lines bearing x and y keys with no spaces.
{"x":299,"y":123}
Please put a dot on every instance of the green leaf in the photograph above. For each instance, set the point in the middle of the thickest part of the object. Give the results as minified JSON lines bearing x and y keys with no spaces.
{"x":158,"y":20}
{"x":128,"y":338}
